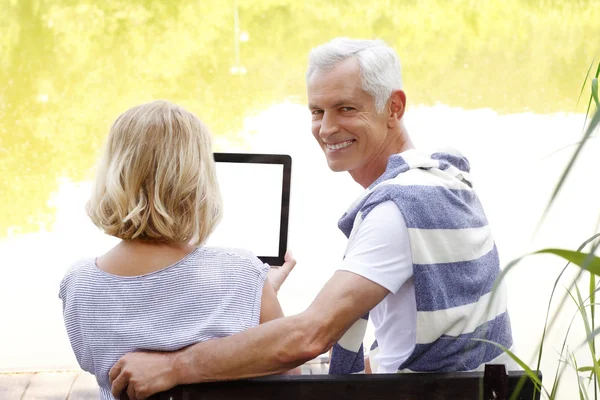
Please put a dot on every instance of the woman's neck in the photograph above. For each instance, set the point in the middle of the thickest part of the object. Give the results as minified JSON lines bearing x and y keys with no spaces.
{"x":137,"y":257}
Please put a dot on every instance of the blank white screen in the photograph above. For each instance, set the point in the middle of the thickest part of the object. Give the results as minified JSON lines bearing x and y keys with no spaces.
{"x":251,"y":207}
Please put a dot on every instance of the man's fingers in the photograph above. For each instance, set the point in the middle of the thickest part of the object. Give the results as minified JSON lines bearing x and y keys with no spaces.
{"x":119,"y":384}
{"x":131,"y":393}
{"x":114,"y":371}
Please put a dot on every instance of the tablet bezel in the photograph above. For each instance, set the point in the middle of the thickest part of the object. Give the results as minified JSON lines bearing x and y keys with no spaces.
{"x":286,"y":161}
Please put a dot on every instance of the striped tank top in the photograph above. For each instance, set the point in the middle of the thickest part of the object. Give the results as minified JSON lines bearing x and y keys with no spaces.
{"x":210,"y":293}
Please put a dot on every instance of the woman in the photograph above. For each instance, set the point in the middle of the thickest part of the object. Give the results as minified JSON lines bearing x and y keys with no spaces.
{"x":159,"y":288}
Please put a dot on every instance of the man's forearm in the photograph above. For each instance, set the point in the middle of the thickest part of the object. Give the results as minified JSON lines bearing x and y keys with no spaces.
{"x":271,"y":348}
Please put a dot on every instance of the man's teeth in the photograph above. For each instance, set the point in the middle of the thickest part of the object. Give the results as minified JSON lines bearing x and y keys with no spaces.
{"x":341,"y":145}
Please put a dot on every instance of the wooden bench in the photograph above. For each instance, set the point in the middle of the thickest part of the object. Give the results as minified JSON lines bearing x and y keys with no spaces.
{"x":493,"y":384}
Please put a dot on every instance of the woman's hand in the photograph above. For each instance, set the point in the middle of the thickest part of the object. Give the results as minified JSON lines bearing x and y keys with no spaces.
{"x":278,"y":275}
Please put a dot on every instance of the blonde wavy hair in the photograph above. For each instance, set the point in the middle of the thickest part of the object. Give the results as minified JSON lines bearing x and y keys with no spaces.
{"x":156,"y":179}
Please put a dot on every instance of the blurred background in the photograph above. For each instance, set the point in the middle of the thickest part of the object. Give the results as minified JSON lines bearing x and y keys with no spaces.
{"x":499,"y":80}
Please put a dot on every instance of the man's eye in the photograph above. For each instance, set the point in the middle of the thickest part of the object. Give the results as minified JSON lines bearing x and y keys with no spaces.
{"x":317,"y":112}
{"x":347,"y":109}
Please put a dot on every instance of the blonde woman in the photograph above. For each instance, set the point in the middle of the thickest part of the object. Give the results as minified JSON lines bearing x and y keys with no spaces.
{"x":159,"y":288}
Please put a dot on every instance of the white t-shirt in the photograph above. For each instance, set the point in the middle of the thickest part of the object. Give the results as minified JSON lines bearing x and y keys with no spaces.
{"x":380,"y":252}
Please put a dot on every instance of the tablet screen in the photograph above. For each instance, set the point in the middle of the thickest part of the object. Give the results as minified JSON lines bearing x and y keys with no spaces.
{"x":252,"y":207}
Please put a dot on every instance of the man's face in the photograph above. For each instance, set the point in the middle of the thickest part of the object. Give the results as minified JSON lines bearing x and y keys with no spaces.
{"x":344,"y":120}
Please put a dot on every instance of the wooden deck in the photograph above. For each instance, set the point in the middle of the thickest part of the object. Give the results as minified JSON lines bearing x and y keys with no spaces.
{"x":63,"y":385}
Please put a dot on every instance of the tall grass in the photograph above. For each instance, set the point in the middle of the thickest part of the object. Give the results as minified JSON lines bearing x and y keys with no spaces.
{"x":584,"y":257}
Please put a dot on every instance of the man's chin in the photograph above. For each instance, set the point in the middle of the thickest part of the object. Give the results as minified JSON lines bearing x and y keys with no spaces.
{"x":337,"y":166}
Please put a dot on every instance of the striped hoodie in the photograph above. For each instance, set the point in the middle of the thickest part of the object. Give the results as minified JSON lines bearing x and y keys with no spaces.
{"x":455,"y":265}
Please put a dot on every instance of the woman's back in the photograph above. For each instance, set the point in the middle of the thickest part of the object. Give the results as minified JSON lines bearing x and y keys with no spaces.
{"x":209,"y":293}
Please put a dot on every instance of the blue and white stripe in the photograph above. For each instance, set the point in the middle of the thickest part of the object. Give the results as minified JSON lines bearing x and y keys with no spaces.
{"x":347,"y":355}
{"x":455,"y":263}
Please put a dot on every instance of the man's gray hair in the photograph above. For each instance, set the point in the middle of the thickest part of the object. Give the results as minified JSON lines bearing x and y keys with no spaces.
{"x":379,"y":65}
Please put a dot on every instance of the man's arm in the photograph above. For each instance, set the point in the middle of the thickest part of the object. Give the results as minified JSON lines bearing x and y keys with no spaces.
{"x":271,"y":348}
{"x":368,"y":365}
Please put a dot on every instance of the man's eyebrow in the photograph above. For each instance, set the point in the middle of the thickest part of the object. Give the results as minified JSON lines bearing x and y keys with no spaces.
{"x":336,"y":105}
{"x":341,"y":103}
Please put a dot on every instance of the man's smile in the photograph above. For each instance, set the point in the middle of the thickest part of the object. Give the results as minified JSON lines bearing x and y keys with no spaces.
{"x":339,"y":145}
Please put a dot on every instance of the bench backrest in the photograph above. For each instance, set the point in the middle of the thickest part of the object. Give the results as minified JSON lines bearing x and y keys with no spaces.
{"x":495,"y":383}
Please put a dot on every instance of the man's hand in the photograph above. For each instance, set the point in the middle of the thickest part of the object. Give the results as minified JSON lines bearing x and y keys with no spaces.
{"x":142,"y":374}
{"x":278,"y":275}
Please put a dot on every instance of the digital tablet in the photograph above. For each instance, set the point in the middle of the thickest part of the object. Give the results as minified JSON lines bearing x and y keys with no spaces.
{"x":256,"y":195}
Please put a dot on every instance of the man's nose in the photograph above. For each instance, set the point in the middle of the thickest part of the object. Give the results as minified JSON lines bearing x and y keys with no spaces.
{"x":329,"y":125}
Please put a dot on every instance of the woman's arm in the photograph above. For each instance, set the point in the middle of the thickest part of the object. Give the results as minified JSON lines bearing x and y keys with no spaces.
{"x":278,"y":275}
{"x":270,"y":309}
{"x":368,"y":366}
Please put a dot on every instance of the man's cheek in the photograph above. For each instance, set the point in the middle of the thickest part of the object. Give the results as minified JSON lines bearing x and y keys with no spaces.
{"x":316,"y":127}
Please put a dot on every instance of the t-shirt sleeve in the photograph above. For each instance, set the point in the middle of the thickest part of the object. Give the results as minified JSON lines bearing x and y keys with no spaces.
{"x":70,"y":296}
{"x":263,"y":270}
{"x":380,"y":249}
{"x":69,"y":276}
{"x":255,"y":281}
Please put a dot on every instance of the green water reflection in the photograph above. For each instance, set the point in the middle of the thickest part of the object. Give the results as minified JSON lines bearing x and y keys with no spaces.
{"x":68,"y":68}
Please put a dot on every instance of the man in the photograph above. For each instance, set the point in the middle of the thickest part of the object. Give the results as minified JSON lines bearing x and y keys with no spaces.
{"x":420,"y":257}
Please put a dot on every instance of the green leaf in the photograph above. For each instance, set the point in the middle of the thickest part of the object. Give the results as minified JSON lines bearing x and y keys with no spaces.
{"x":532,"y":375}
{"x":547,"y":327}
{"x":592,"y":299}
{"x":585,"y":80}
{"x":581,"y":307}
{"x":588,"y":132}
{"x":586,"y":261}
{"x":587,"y":112}
{"x":560,"y":368}
{"x":568,"y":255}
{"x":582,"y":393}
{"x":595,"y":91}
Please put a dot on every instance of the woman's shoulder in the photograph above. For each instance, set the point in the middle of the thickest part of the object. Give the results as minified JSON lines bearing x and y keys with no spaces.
{"x":227,"y":256}
{"x":80,"y":267}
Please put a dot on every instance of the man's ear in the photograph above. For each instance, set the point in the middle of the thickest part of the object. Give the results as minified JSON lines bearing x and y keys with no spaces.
{"x":397,"y":104}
